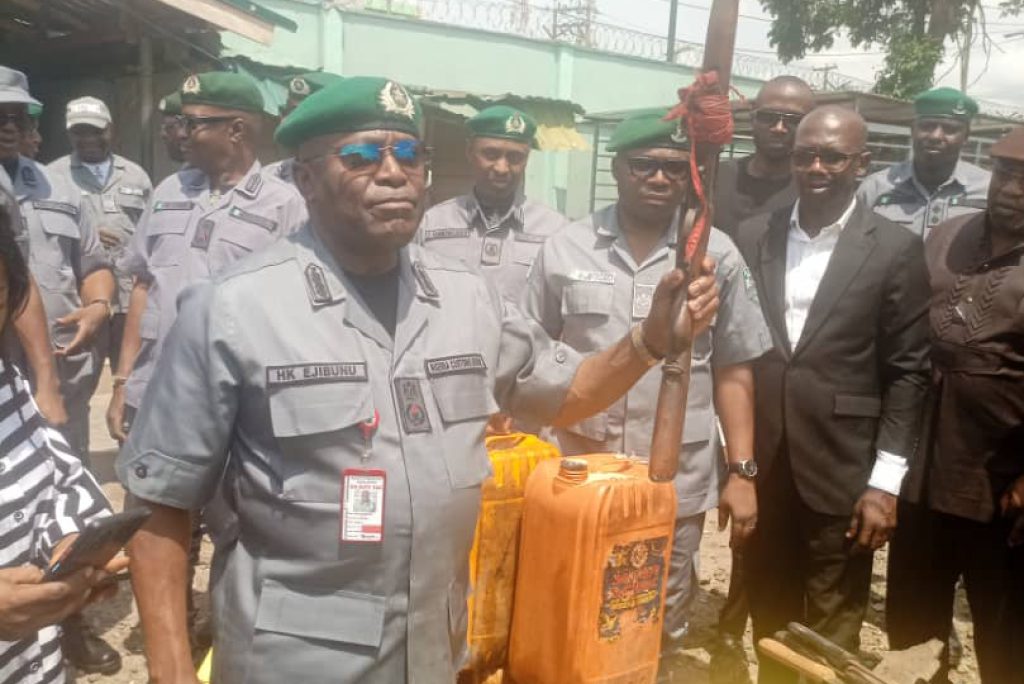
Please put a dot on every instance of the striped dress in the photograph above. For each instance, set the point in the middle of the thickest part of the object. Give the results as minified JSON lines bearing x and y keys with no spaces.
{"x":45,"y":494}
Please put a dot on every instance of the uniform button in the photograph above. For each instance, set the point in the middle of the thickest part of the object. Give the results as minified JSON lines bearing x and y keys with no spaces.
{"x":970,"y":299}
{"x":141,"y":471}
{"x":560,"y":356}
{"x":18,"y":516}
{"x":35,"y":666}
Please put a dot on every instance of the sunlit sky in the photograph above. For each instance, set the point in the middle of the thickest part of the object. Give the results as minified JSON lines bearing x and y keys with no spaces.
{"x":1002,"y":81}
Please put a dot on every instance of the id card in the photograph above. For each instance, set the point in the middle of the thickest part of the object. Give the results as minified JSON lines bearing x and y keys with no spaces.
{"x":109,"y":205}
{"x":362,"y":505}
{"x":490,"y":251}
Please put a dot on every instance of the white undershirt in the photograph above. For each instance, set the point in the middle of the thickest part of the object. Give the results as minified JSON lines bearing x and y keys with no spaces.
{"x":807,"y":259}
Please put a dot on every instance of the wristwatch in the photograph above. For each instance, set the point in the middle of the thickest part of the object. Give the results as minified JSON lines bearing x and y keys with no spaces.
{"x":746,"y":469}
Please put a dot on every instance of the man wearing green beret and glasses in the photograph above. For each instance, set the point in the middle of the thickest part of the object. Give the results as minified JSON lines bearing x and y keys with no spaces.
{"x":343,"y":364}
{"x":299,"y":88}
{"x":594,"y":280}
{"x":495,"y":228}
{"x":935,"y":184}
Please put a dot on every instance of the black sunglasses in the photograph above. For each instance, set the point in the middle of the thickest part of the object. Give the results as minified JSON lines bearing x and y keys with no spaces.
{"x":191,"y":123}
{"x":771,"y":118}
{"x":647,"y":167}
{"x":832,"y":161}
{"x":20,"y":119}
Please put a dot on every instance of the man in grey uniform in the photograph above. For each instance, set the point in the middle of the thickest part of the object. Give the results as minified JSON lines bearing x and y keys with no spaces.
{"x":76,"y":287}
{"x":935,"y":185}
{"x":299,"y":88}
{"x":344,"y":360}
{"x":216,"y":210}
{"x":115,"y":192}
{"x":594,"y":280}
{"x":495,"y":228}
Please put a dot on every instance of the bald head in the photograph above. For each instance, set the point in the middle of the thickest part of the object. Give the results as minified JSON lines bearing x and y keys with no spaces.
{"x":790,"y":89}
{"x":837,"y":122}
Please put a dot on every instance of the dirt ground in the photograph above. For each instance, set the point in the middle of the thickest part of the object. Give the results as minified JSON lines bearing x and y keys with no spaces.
{"x":117,"y":620}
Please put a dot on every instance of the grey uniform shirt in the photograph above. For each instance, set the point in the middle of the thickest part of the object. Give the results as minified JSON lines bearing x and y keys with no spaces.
{"x":281,"y":170}
{"x":897,"y":195}
{"x":265,"y":380}
{"x":586,"y":289}
{"x":63,"y":248}
{"x":115,"y":206}
{"x":502,"y":249}
{"x":188,"y":235}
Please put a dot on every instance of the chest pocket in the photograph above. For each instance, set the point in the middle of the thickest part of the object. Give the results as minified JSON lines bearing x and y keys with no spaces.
{"x":587,"y":298}
{"x":464,"y":402}
{"x":525,"y":248}
{"x":52,"y":255}
{"x":165,"y":232}
{"x":131,"y":201}
{"x":247,"y":230}
{"x":317,"y":429}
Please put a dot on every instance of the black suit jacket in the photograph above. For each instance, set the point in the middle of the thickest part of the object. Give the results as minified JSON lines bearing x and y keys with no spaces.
{"x":857,"y":379}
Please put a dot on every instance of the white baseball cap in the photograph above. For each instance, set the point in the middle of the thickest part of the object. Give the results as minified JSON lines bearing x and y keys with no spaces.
{"x":88,"y":111}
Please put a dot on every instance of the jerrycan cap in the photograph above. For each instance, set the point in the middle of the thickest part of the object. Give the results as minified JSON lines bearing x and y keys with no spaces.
{"x":573,"y":469}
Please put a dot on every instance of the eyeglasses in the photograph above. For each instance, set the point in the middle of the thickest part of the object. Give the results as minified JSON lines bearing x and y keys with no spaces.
{"x":191,"y":123}
{"x":648,"y":167}
{"x":174,"y":121}
{"x":771,"y":118}
{"x":832,"y":161}
{"x":410,"y":154}
{"x":19,"y":119}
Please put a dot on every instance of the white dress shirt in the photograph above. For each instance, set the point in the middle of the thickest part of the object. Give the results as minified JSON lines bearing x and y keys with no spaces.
{"x":807,"y":259}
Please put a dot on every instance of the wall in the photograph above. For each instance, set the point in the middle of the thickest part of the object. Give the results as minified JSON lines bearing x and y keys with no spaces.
{"x":445,"y":57}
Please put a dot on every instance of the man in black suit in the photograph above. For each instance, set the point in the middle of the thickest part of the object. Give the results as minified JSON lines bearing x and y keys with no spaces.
{"x":845,"y":293}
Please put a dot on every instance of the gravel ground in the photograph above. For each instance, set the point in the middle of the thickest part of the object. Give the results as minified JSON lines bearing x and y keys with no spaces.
{"x":117,"y":620}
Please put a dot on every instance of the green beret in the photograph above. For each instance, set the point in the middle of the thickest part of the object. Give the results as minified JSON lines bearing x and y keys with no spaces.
{"x":170,"y":105}
{"x":35,"y":110}
{"x":504,"y":122}
{"x":945,"y":102}
{"x":646,"y":128}
{"x":361,"y":103}
{"x":1010,"y":146}
{"x":223,"y":89}
{"x":304,"y":85}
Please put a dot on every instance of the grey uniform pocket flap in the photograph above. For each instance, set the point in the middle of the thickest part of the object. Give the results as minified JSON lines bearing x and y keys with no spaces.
{"x":58,"y":221}
{"x":860,"y":405}
{"x":341,"y":616}
{"x":582,"y":297}
{"x":308,"y":409}
{"x":463,"y":396}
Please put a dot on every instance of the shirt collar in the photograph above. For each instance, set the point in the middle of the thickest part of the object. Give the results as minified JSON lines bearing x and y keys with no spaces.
{"x":516,"y":213}
{"x":606,"y":224}
{"x":905,"y":174}
{"x":249,"y":186}
{"x":797,"y":231}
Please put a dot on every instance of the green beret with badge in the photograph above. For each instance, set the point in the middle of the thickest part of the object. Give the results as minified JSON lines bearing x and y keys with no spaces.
{"x":224,"y":89}
{"x":304,"y":85}
{"x":170,"y":105}
{"x":361,"y":103}
{"x":506,"y":123}
{"x":647,"y":128}
{"x":947,"y":103}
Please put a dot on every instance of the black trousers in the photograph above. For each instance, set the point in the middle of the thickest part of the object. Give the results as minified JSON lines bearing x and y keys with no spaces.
{"x":732,"y":619}
{"x":801,"y":568}
{"x":929,"y":552}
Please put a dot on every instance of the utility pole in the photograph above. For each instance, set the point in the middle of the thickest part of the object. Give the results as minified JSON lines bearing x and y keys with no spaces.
{"x":965,"y":51}
{"x":673,"y":15}
{"x":825,"y":70}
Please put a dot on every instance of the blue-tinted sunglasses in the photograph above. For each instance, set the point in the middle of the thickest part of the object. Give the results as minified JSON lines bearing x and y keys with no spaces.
{"x":409,"y":153}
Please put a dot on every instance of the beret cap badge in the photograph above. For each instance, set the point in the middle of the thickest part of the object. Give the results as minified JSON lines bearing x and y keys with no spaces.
{"x":191,"y":85}
{"x":395,"y":100}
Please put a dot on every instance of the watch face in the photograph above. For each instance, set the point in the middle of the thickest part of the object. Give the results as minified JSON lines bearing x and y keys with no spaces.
{"x":747,"y":469}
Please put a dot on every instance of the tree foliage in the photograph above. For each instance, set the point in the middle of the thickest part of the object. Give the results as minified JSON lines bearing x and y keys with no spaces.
{"x":912,"y":33}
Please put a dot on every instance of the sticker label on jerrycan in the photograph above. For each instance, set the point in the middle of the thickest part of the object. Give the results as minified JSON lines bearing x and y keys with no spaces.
{"x":634,"y":578}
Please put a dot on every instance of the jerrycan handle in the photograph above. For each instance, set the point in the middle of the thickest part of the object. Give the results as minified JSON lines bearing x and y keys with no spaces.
{"x":509,"y":441}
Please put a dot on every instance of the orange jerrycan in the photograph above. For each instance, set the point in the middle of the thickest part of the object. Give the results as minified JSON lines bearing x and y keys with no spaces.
{"x":492,"y":562}
{"x":593,"y":565}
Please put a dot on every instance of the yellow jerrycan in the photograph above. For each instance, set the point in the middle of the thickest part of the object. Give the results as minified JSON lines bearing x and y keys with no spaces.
{"x":593,"y":566}
{"x":492,"y":562}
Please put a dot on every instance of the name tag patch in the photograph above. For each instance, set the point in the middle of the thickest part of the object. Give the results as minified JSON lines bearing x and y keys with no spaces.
{"x":451,"y":365}
{"x":254,"y":219}
{"x":50,"y":205}
{"x":174,"y":206}
{"x":527,"y":237}
{"x":316,"y":374}
{"x":446,"y":234}
{"x":604,"y":277}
